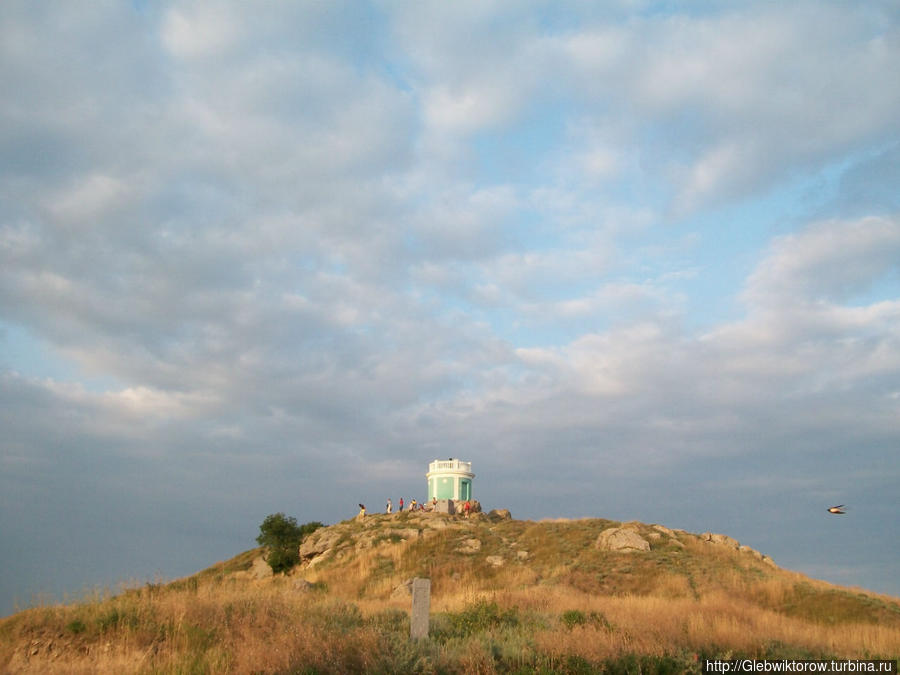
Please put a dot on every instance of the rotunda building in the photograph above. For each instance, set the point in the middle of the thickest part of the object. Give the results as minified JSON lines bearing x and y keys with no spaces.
{"x":449,"y":479}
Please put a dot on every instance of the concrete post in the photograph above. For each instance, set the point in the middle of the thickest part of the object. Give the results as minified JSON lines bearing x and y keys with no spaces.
{"x":421,"y":605}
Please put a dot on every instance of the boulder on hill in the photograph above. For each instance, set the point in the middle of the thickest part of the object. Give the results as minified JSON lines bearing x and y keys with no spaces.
{"x":623,"y":540}
{"x":318,"y":542}
{"x":499,"y":514}
{"x":260,"y":569}
{"x":721,"y":539}
{"x":302,"y":585}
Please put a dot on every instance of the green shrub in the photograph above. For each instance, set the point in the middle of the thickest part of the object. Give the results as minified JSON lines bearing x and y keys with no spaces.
{"x":575,"y":617}
{"x":480,"y":617}
{"x":282,"y":536}
{"x":572,"y":618}
{"x":76,"y":626}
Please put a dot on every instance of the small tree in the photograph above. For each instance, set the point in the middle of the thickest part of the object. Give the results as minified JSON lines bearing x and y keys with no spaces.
{"x":282,"y":536}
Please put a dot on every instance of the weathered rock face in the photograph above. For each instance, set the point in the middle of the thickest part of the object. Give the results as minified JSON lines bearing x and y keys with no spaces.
{"x":495,"y":560}
{"x":721,"y":539}
{"x":315,"y":547}
{"x":728,"y":542}
{"x":260,"y":569}
{"x":623,"y":540}
{"x":499,"y":514}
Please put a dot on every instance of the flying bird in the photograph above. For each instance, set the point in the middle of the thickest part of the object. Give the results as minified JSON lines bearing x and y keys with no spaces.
{"x":836,"y":509}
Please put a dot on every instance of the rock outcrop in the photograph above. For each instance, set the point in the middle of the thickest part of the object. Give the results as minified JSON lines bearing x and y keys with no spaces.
{"x":621,"y":539}
{"x":469,"y":538}
{"x":721,"y":540}
{"x":729,"y":542}
{"x":499,"y":514}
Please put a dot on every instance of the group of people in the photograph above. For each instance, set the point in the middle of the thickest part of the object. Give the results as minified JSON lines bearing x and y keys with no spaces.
{"x":412,"y":506}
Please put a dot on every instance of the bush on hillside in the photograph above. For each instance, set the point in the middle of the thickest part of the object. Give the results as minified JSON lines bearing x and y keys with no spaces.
{"x":282,"y":536}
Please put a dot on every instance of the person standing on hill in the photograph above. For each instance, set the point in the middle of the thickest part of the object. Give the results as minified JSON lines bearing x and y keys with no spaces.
{"x":389,"y":507}
{"x":466,"y":508}
{"x":400,"y":509}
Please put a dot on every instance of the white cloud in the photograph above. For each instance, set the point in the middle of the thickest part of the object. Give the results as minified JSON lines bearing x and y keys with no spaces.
{"x":832,"y":261}
{"x":737,"y":99}
{"x":200,"y":30}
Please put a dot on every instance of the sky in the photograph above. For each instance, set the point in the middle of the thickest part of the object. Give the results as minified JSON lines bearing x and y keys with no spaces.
{"x":633,"y":260}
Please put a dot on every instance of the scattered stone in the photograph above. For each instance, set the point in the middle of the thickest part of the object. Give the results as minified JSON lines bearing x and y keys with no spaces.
{"x":522,"y":555}
{"x":470,"y":546}
{"x":495,"y":560}
{"x":621,"y":539}
{"x":302,"y":585}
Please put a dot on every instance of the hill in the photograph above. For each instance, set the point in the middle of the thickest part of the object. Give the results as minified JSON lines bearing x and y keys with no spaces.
{"x":577,"y":596}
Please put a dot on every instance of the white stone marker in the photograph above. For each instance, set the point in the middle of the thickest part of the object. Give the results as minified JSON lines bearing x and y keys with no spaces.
{"x":421,"y":605}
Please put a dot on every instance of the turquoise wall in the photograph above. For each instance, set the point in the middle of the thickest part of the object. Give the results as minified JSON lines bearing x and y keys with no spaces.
{"x":444,"y":490}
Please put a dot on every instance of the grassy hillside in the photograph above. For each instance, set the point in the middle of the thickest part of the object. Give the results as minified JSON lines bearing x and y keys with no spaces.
{"x":507,"y":596}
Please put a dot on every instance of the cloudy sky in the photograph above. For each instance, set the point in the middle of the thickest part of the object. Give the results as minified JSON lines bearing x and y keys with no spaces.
{"x":634,"y":260}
